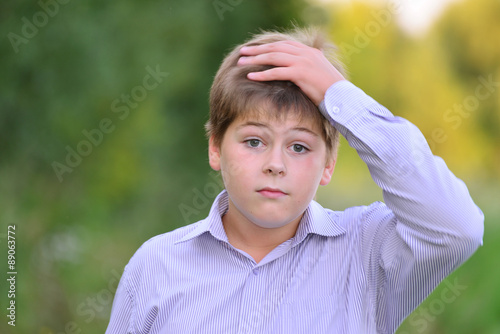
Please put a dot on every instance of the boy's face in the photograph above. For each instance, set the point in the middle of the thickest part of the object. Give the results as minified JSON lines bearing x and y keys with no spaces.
{"x":271,"y":169}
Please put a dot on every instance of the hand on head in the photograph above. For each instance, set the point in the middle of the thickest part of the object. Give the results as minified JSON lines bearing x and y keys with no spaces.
{"x":305,"y":66}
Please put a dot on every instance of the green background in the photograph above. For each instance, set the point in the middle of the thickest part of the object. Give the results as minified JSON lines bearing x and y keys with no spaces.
{"x":65,"y":66}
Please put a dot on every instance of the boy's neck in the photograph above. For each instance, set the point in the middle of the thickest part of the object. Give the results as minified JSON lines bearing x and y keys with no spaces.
{"x":255,"y":240}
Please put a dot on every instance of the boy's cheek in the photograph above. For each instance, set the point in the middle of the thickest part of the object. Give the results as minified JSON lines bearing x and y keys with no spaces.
{"x":232,"y":171}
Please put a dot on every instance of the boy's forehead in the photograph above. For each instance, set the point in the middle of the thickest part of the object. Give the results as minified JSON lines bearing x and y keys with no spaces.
{"x":292,"y":120}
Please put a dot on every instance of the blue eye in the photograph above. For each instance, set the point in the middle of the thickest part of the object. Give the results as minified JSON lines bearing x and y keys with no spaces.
{"x":297,"y":148}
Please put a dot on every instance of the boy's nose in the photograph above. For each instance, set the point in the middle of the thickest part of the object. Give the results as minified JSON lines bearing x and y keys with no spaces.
{"x":275,"y":163}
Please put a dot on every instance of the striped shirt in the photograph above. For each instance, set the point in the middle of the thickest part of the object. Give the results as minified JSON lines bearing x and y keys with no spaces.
{"x":362,"y":270}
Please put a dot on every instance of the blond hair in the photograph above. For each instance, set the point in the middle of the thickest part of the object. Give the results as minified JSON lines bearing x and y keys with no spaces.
{"x":233,"y":95}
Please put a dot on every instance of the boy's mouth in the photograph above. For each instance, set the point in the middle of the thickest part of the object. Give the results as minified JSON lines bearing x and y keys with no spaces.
{"x":272,"y":192}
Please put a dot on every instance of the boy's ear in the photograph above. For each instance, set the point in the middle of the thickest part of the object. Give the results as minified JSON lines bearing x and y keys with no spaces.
{"x":327,"y":172}
{"x":213,"y":155}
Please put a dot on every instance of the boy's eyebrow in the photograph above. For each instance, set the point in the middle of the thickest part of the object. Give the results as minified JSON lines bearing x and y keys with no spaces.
{"x":302,"y":129}
{"x":253,"y":123}
{"x":262,"y":125}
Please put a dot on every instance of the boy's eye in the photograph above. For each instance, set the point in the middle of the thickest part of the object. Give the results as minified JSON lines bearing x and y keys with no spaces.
{"x":253,"y":142}
{"x":297,"y":148}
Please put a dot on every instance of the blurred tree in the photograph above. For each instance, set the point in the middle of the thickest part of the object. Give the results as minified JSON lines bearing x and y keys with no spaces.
{"x":415,"y":78}
{"x":469,"y":34}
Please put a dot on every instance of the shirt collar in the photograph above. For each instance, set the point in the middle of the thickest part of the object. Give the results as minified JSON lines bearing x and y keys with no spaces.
{"x":213,"y":223}
{"x":315,"y":220}
{"x":318,"y":220}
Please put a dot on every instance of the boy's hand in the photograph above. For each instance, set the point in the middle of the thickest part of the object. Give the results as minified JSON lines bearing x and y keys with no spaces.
{"x":305,"y":66}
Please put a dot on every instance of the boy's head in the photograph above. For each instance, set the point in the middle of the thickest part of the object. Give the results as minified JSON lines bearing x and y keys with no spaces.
{"x":233,"y":96}
{"x":269,"y":140}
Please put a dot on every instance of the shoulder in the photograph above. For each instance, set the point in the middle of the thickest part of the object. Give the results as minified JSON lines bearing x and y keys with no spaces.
{"x":364,"y":224}
{"x":157,"y":253}
{"x":376,"y":212}
{"x":160,"y":245}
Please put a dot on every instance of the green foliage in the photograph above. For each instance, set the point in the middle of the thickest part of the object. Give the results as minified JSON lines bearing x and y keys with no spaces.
{"x":82,"y":80}
{"x":437,"y":81}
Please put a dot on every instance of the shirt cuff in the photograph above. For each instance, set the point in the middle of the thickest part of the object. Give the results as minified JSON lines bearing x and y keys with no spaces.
{"x":343,"y":101}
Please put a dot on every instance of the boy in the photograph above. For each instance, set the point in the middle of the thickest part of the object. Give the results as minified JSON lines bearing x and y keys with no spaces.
{"x":269,"y":259}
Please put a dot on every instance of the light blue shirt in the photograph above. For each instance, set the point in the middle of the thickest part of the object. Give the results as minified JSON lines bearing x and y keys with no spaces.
{"x":359,"y":271}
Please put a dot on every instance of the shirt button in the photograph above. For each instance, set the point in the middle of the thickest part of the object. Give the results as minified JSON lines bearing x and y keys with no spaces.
{"x":255,"y":271}
{"x":335,"y":110}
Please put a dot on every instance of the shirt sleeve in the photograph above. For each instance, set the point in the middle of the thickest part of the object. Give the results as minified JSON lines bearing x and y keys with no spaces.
{"x":121,"y":311}
{"x":428,"y":224}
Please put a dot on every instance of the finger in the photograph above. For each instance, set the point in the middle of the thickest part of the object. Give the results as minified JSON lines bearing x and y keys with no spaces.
{"x":291,"y":47}
{"x":276,"y":73}
{"x":284,"y":47}
{"x":273,"y":58}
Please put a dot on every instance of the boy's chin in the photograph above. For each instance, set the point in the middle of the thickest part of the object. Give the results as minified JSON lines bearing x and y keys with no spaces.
{"x":272,"y":224}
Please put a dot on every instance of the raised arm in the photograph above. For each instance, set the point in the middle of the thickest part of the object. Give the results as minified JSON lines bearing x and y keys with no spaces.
{"x":428,"y":225}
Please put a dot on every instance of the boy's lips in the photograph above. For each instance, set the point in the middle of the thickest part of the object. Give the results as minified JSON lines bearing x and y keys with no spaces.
{"x":271,"y":192}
